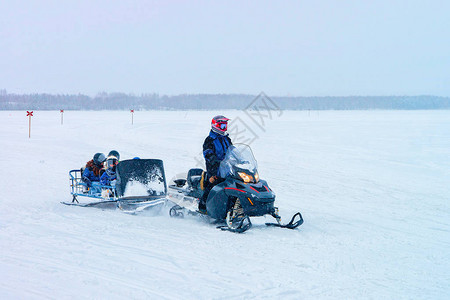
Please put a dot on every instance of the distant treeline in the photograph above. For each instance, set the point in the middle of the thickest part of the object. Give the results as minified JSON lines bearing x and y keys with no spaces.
{"x":120,"y":101}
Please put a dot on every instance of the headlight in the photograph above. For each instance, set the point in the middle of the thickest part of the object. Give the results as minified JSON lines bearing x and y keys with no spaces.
{"x":256,"y":177}
{"x":246,"y":177}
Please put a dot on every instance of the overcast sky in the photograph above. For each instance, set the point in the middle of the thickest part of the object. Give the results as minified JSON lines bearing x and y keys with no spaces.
{"x":301,"y":48}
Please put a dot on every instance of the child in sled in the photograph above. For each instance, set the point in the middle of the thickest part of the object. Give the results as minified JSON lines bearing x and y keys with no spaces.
{"x":92,"y":172}
{"x":109,"y":175}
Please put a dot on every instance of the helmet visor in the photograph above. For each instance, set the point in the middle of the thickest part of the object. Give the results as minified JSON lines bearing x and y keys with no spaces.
{"x":223,"y":125}
{"x":111,"y":163}
{"x":101,"y":157}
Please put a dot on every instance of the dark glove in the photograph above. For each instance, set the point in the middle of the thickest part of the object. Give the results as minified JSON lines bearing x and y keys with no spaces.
{"x":212,"y":179}
{"x":87,"y":181}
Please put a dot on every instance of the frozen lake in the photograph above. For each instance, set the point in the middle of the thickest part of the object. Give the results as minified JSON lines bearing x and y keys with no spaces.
{"x":373,"y":187}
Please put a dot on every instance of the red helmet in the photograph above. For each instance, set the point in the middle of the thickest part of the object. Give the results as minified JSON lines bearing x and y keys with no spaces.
{"x":219,"y":124}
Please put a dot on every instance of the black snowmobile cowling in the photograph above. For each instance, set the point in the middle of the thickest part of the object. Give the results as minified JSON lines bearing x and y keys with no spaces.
{"x":240,"y":170}
{"x":256,"y":198}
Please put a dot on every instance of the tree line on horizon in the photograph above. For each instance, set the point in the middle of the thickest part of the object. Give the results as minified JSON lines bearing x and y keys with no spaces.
{"x":122,"y":101}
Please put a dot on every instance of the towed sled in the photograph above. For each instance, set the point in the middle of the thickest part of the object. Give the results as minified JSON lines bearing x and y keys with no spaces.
{"x":238,"y":197}
{"x":140,"y":184}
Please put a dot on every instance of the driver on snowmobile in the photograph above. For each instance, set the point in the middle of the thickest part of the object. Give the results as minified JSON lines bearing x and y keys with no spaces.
{"x":214,"y":150}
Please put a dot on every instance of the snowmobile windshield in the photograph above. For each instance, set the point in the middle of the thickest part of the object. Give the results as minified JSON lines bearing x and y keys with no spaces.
{"x":238,"y":157}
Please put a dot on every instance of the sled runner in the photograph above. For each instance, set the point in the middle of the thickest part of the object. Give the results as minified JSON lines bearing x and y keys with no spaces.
{"x":140,"y":184}
{"x":240,"y":196}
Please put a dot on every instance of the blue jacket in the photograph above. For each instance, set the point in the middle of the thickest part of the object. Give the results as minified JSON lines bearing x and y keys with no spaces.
{"x":106,"y":179}
{"x":89,"y":173}
{"x":214,"y":149}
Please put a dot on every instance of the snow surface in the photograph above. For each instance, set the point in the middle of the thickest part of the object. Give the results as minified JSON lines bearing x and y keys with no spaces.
{"x":373,"y":187}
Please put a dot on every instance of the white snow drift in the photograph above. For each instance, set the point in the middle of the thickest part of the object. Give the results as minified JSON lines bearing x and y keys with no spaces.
{"x":373,"y":187}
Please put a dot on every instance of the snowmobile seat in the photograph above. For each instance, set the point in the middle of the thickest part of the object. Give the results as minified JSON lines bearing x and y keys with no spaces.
{"x":193,"y":177}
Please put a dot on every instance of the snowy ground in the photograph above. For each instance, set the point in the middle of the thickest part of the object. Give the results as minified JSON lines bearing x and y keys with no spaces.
{"x":373,"y":187}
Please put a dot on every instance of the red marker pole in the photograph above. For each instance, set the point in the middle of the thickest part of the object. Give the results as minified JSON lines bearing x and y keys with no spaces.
{"x":29,"y":115}
{"x":132,"y":116}
{"x":62,"y":113}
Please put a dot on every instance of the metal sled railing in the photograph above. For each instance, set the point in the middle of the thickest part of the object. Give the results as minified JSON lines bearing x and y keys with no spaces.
{"x":80,"y":188}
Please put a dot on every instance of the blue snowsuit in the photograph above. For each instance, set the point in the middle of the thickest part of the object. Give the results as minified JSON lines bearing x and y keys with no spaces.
{"x":106,"y":178}
{"x":214,"y":149}
{"x":91,"y":173}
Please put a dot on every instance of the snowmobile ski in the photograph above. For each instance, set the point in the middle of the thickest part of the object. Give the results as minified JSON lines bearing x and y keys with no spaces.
{"x":105,"y":203}
{"x":133,"y":207}
{"x":291,"y":225}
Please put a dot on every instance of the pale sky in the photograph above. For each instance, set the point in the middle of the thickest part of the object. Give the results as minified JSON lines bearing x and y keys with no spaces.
{"x":299,"y":48}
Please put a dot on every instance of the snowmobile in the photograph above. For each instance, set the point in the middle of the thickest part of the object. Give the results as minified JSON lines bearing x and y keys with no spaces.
{"x":140,"y":184}
{"x":238,"y":197}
